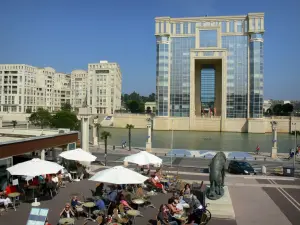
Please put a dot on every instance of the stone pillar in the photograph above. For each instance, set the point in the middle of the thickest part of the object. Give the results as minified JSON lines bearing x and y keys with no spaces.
{"x":1,"y":118}
{"x":43,"y":154}
{"x":95,"y":138}
{"x":27,"y":123}
{"x":274,"y":147}
{"x":149,"y":140}
{"x":85,"y":133}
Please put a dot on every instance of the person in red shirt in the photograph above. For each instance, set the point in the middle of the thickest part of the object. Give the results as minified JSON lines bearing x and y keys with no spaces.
{"x":10,"y":189}
{"x":257,"y":149}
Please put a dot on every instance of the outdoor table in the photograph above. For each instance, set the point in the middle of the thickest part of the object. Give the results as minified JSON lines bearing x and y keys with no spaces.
{"x":33,"y":188}
{"x":66,"y":221}
{"x":133,"y":213}
{"x":180,"y":217}
{"x":14,"y":195}
{"x":151,"y":193}
{"x":138,"y":201}
{"x":97,"y":212}
{"x":89,"y":205}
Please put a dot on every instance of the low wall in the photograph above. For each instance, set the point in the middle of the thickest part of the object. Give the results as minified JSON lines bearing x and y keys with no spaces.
{"x":206,"y":124}
{"x":121,"y":120}
{"x":19,"y":117}
{"x":236,"y":125}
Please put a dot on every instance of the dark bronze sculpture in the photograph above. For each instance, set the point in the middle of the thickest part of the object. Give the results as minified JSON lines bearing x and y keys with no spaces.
{"x":216,"y":176}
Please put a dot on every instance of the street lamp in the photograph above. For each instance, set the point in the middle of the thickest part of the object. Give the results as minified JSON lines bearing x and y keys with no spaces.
{"x":295,"y":130}
{"x":172,"y":138}
{"x":274,"y":148}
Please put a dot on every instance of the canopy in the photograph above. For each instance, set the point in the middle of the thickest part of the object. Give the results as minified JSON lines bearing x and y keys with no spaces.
{"x":118,"y":175}
{"x":78,"y":155}
{"x":34,"y":167}
{"x":143,"y":158}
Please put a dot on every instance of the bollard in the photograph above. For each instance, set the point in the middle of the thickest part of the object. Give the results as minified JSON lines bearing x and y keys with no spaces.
{"x":174,"y":155}
{"x":265,"y":158}
{"x":184,"y":155}
{"x":245,"y":158}
{"x":234,"y":157}
{"x":155,"y":153}
{"x":254,"y":158}
{"x":194,"y":156}
{"x":204,"y":156}
{"x":165,"y":154}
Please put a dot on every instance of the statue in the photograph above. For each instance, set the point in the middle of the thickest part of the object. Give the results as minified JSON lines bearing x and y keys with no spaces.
{"x":216,"y":176}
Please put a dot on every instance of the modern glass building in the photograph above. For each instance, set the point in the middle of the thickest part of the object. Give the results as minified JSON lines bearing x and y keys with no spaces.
{"x":210,"y":66}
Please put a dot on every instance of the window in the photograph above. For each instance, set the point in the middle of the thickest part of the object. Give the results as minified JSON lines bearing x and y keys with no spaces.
{"x":177,"y":28}
{"x":231,"y":26}
{"x":259,"y":24}
{"x":193,"y":28}
{"x":185,"y":28}
{"x":246,"y":26}
{"x":239,"y":26}
{"x":208,"y":38}
{"x":224,"y":26}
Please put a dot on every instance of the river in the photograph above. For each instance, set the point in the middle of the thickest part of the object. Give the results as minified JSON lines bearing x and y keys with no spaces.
{"x":195,"y":140}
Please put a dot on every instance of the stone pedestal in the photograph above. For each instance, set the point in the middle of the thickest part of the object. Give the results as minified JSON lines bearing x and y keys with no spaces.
{"x":1,"y":121}
{"x":221,"y":208}
{"x":148,"y":147}
{"x":274,"y":153}
{"x":95,"y":141}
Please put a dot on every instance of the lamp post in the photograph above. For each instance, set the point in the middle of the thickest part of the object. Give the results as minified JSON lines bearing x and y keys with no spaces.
{"x":295,"y":130}
{"x":274,"y":148}
{"x":172,"y":139}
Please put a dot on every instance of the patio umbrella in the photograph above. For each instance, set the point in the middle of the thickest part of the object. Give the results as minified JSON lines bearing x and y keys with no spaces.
{"x":143,"y":158}
{"x":34,"y":167}
{"x":78,"y":155}
{"x":118,"y":175}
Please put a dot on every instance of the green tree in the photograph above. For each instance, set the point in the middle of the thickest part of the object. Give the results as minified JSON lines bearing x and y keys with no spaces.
{"x":129,"y":127}
{"x":104,"y":136}
{"x":65,"y":119}
{"x":151,"y":97}
{"x":133,"y":106}
{"x":66,"y":107}
{"x":287,"y":109}
{"x":41,"y":118}
{"x":28,"y":110}
{"x":14,"y":123}
{"x":277,"y":110}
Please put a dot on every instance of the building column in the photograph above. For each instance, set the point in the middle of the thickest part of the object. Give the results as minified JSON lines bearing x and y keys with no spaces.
{"x":95,"y":138}
{"x":85,"y":133}
{"x":149,"y":139}
{"x":1,"y":118}
{"x":274,"y":147}
{"x":43,"y":154}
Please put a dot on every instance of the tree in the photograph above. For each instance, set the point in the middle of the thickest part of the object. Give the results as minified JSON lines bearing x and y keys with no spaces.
{"x":28,"y":110}
{"x":133,"y":106}
{"x":40,"y":118}
{"x":104,"y":136}
{"x":151,"y":97}
{"x":129,"y":127}
{"x":14,"y":123}
{"x":65,"y":119}
{"x":66,"y":107}
{"x":148,"y":110}
{"x":277,"y":110}
{"x":98,"y":126}
{"x":287,"y":109}
{"x":268,"y":112}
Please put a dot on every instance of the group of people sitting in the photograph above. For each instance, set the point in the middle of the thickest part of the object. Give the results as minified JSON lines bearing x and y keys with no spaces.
{"x":155,"y":180}
{"x":4,"y":199}
{"x":176,"y":205}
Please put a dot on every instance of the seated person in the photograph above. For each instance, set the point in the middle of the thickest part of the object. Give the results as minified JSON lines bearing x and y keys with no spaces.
{"x":5,"y":200}
{"x":165,"y":217}
{"x":112,"y":195}
{"x":187,"y":189}
{"x":34,"y":182}
{"x":67,"y":212}
{"x":41,"y":179}
{"x":10,"y":189}
{"x":157,"y":184}
{"x":124,"y":203}
{"x":172,"y":207}
{"x":99,"y":204}
{"x":54,"y":178}
{"x":75,"y":202}
{"x":99,"y":190}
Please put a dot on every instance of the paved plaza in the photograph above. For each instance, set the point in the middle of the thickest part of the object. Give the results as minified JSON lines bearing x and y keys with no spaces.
{"x":268,"y":200}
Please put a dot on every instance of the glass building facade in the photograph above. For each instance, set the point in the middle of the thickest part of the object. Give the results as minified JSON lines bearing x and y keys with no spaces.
{"x":241,"y":37}
{"x":207,"y":87}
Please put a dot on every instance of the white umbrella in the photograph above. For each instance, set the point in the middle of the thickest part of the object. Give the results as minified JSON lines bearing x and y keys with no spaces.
{"x":34,"y":167}
{"x":119,"y":175}
{"x":143,"y":158}
{"x":78,"y":155}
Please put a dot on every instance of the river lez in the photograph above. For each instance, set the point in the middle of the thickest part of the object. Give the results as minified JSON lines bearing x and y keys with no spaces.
{"x":195,"y":140}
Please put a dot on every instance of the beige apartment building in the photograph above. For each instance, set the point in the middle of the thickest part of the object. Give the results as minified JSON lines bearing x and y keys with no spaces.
{"x":25,"y":88}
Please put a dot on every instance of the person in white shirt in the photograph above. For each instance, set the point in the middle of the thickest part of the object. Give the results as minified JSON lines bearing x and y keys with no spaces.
{"x":54,"y":179}
{"x":5,"y":200}
{"x":67,"y":212}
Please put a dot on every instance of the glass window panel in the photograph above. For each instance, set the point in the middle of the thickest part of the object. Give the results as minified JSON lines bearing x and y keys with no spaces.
{"x":208,"y":38}
{"x":224,"y":26}
{"x":185,"y":28}
{"x":239,"y":26}
{"x":231,"y":26}
{"x":193,"y":28}
{"x":246,"y":26}
{"x":177,"y":28}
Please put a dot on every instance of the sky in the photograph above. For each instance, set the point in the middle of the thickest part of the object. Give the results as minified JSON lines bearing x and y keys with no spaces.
{"x":69,"y":34}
